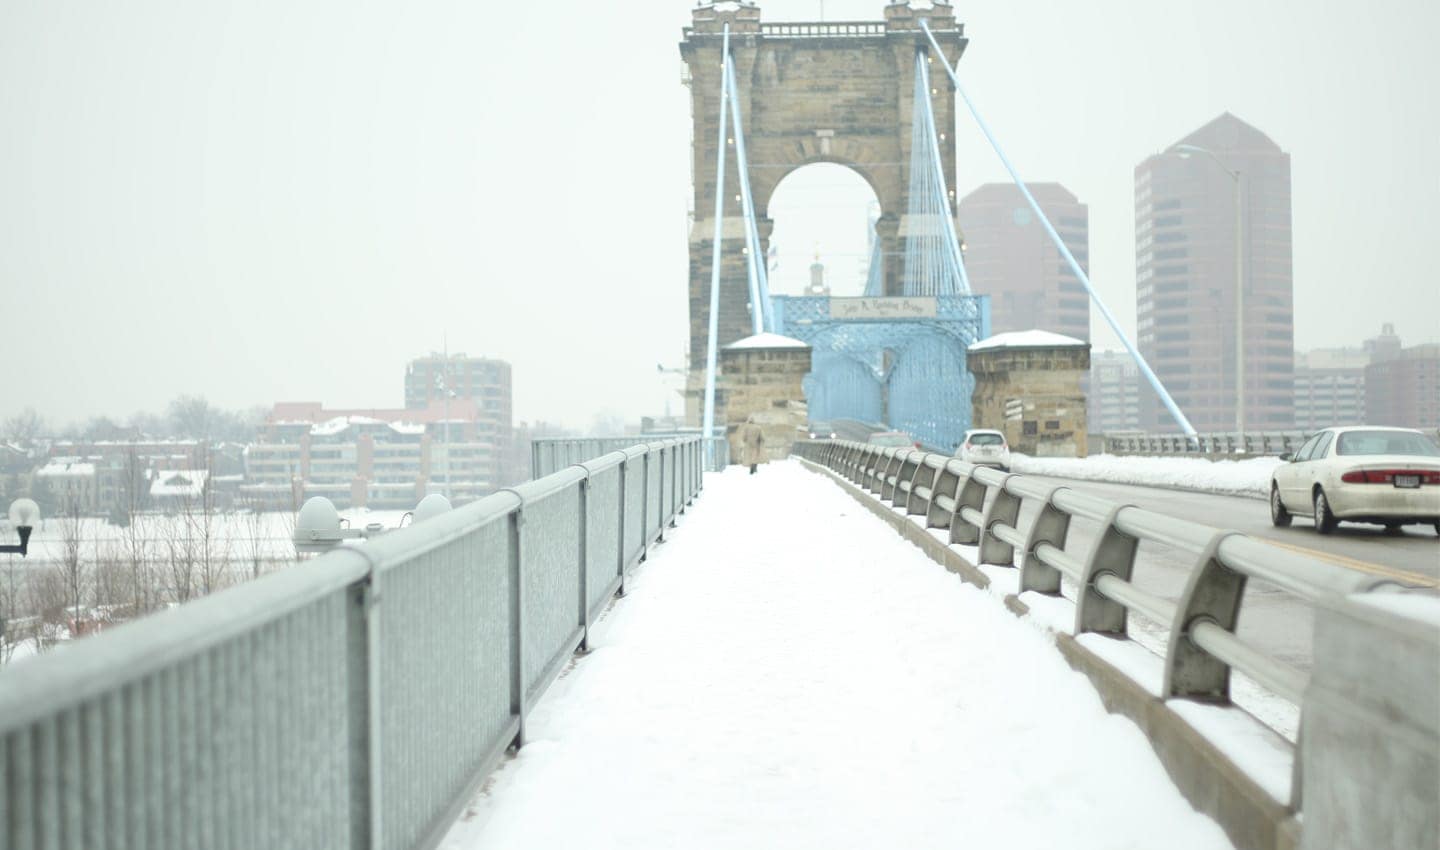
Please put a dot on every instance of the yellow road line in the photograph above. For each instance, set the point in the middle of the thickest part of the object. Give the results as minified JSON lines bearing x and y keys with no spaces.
{"x":1419,"y":579}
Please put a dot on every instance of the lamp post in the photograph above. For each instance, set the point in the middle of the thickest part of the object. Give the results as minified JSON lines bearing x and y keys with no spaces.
{"x":1184,"y":151}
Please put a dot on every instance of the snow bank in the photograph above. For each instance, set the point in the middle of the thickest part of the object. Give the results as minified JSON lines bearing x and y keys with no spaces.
{"x":1227,"y":477}
{"x":785,"y":672}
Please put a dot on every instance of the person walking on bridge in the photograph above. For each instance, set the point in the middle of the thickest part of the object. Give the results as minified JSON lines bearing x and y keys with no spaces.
{"x":750,"y":445}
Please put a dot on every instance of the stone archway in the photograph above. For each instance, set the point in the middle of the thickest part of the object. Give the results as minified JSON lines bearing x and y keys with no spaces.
{"x":808,"y":92}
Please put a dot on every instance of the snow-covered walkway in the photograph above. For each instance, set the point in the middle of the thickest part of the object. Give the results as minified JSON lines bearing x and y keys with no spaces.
{"x":787,"y":672}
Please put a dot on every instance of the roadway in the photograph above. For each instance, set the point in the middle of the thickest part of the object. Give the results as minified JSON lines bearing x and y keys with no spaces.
{"x":1411,"y":557}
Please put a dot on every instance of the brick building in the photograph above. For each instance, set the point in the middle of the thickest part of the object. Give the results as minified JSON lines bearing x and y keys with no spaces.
{"x":375,"y":457}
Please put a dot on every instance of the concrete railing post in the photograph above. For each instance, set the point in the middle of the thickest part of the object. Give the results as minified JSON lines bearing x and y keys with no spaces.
{"x":947,"y":484}
{"x":1113,"y":554}
{"x":1051,"y":526}
{"x":1212,"y":594}
{"x":925,"y":475}
{"x":1004,"y":508}
{"x":971,"y":496}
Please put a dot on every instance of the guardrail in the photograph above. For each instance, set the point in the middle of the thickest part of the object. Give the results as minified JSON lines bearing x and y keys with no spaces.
{"x":551,"y":454}
{"x":981,"y":507}
{"x":1260,"y":444}
{"x":1369,"y":752}
{"x":355,"y":701}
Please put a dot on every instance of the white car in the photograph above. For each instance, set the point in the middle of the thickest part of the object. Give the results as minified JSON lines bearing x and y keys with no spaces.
{"x":983,"y":447}
{"x":1387,"y":476}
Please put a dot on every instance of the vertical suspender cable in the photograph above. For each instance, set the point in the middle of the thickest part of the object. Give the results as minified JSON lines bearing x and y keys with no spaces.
{"x":759,"y":290}
{"x":952,"y":242}
{"x":1059,"y":243}
{"x":710,"y":350}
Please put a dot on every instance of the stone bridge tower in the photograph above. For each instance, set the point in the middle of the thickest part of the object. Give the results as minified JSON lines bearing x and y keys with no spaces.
{"x":838,"y":92}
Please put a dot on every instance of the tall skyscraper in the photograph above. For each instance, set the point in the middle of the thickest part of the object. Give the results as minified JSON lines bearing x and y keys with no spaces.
{"x":1190,"y":201}
{"x":1010,"y":258}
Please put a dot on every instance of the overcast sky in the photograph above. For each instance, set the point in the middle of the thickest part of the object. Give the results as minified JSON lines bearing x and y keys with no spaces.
{"x":265,"y":201}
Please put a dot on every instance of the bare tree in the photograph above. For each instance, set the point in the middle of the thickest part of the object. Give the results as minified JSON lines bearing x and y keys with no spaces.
{"x":24,"y":427}
{"x":10,"y":624}
{"x":137,"y":553}
{"x":45,"y":592}
{"x":192,"y":416}
{"x":73,"y":569}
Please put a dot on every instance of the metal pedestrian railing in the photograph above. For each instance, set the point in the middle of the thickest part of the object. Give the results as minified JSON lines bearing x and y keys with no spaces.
{"x":549,"y":454}
{"x":981,"y":507}
{"x":1250,"y":444}
{"x":355,"y":701}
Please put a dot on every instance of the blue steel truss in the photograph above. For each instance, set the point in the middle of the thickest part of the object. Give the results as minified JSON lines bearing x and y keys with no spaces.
{"x":907,"y":372}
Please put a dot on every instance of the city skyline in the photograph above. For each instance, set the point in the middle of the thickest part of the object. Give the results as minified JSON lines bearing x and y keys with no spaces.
{"x":397,"y":211}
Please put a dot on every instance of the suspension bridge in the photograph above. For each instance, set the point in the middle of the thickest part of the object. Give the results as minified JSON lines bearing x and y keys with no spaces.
{"x":792,"y":674}
{"x":879,"y":98}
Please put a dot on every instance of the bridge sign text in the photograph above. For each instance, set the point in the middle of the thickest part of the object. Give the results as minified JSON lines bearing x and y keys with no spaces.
{"x":883,"y":308}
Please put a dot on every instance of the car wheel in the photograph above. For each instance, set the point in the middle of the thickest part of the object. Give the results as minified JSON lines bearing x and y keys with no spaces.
{"x":1325,"y":521}
{"x":1279,"y":517}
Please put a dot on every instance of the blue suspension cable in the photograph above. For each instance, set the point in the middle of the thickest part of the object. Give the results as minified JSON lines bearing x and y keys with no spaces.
{"x":710,"y":349}
{"x":1060,"y":244}
{"x":952,"y":242}
{"x":760,"y":312}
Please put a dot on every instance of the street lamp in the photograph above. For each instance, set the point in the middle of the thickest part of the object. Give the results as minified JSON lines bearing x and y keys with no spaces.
{"x":1185,"y":151}
{"x":24,"y":516}
{"x":318,"y":527}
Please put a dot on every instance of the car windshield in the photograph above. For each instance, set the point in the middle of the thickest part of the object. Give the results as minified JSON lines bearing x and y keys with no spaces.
{"x":1386,"y":443}
{"x":986,"y":440}
{"x":890,"y":440}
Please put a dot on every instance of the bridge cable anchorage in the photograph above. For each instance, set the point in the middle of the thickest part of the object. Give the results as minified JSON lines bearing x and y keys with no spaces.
{"x":714,"y":324}
{"x":933,"y":261}
{"x":761,"y":317}
{"x":1084,"y":279}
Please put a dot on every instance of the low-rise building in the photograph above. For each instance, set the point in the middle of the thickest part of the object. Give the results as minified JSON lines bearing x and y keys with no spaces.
{"x":1404,"y":390}
{"x":1113,"y":393}
{"x":374,"y":457}
{"x":1330,"y":387}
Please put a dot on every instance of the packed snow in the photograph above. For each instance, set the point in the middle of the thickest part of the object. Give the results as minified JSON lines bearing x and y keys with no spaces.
{"x":1026,"y":339}
{"x":785,"y":672}
{"x":766,"y":340}
{"x":1249,"y":477}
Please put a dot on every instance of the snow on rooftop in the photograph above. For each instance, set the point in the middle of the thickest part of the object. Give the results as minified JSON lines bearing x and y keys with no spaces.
{"x":66,"y":469}
{"x":1026,"y":339}
{"x":408,"y":427}
{"x":766,"y":340}
{"x":189,"y":483}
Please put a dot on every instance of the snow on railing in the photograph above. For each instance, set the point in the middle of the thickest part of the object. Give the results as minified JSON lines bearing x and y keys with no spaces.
{"x":357,"y":700}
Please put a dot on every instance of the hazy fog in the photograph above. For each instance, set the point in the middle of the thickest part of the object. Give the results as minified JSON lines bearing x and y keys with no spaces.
{"x":267,"y":201}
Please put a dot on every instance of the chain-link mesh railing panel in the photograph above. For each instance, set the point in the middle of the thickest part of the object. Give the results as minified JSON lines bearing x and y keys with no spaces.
{"x":242,"y":743}
{"x":550,"y":572}
{"x":635,"y":522}
{"x":652,"y":496}
{"x":444,"y":674}
{"x":602,"y":535}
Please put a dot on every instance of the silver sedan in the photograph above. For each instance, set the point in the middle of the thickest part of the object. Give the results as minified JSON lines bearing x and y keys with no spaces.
{"x":1387,"y":476}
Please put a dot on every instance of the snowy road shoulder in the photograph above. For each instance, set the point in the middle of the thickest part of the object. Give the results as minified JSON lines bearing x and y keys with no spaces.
{"x":1249,"y":478}
{"x":786,"y":672}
